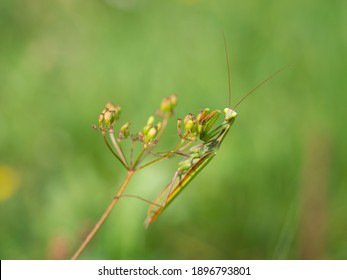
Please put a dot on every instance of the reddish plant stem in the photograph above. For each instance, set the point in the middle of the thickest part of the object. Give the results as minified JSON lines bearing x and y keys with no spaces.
{"x":103,"y":217}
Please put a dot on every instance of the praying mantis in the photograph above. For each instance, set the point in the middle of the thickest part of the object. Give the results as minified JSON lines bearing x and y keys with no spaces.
{"x":200,"y":155}
{"x":194,"y":160}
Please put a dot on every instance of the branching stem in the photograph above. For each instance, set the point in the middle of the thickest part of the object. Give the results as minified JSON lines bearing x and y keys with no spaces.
{"x":110,"y":148}
{"x":163,"y":157}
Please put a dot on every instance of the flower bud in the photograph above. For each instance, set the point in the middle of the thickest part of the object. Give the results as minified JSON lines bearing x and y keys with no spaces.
{"x":125,"y":129}
{"x":150,"y":121}
{"x":192,"y":128}
{"x":168,"y":103}
{"x":159,"y":125}
{"x":108,"y":115}
{"x":179,"y":123}
{"x":101,"y":118}
{"x":109,"y":118}
{"x":190,"y":123}
{"x":188,"y":118}
{"x":152,"y":133}
{"x":173,"y":99}
{"x":146,"y":129}
{"x":125,"y":126}
{"x":140,"y":136}
{"x":113,"y":108}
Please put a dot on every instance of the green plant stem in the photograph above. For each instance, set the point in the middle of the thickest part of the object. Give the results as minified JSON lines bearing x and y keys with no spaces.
{"x":164,"y":124}
{"x":163,"y":157}
{"x":138,"y":159}
{"x":110,"y":148}
{"x":104,"y":216}
{"x":118,"y":148}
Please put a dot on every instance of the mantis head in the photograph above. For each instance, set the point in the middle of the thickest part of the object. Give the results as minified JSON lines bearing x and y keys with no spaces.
{"x":229,"y":114}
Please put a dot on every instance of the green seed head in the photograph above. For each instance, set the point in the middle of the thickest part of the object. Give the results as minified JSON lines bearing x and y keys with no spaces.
{"x":168,"y":104}
{"x":125,"y":126}
{"x":152,"y":133}
{"x":149,"y":132}
{"x":191,"y":127}
{"x":125,"y":129}
{"x":109,"y":117}
{"x":179,"y":124}
{"x":146,"y":129}
{"x":150,"y":121}
{"x":101,"y":118}
{"x":116,"y":109}
{"x":159,"y":125}
{"x":189,"y":122}
{"x":173,"y":99}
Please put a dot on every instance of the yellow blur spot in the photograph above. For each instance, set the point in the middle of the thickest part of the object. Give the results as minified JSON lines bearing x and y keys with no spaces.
{"x":8,"y":182}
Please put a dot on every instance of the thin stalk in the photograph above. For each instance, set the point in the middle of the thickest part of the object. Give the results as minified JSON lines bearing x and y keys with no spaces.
{"x":140,"y":198}
{"x":138,"y":159}
{"x":118,"y":148}
{"x":186,"y":146}
{"x":131,"y":152}
{"x":110,"y":148}
{"x":103,"y":217}
{"x":164,"y":124}
{"x":163,"y":157}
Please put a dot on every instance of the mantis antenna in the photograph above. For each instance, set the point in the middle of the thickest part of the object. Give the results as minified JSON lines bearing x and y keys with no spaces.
{"x":228,"y":66}
{"x":259,"y":85}
{"x":229,"y":82}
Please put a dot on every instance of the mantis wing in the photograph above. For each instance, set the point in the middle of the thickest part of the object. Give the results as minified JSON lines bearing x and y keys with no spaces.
{"x":174,"y":191}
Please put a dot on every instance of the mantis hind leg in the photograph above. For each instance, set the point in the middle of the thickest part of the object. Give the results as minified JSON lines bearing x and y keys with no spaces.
{"x":164,"y":193}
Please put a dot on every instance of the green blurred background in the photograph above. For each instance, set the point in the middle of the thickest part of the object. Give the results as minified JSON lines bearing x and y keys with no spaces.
{"x":276,"y":189}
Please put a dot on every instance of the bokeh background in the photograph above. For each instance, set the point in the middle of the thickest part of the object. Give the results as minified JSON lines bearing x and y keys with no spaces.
{"x":276,"y":189}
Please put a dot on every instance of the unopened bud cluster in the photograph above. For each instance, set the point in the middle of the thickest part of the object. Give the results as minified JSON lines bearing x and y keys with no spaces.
{"x":168,"y":104}
{"x":108,"y":116}
{"x":149,"y":132}
{"x":124,"y":131}
{"x":147,"y":136}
